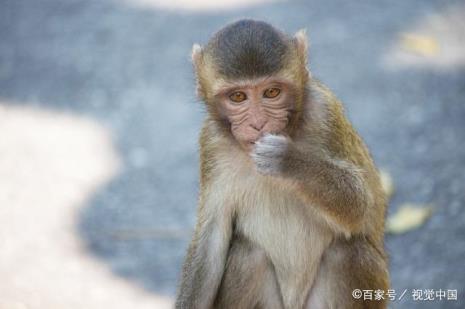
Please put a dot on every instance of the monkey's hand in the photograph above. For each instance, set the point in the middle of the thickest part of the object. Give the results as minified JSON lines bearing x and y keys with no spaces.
{"x":269,"y":153}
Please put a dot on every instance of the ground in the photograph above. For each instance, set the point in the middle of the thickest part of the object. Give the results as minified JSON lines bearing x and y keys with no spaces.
{"x":99,"y":126}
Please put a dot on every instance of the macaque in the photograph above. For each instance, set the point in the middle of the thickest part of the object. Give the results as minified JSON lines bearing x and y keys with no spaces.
{"x":291,"y":210}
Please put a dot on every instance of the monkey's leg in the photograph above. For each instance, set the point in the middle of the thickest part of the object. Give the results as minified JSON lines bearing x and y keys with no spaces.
{"x":249,"y":280}
{"x":348,"y":265}
{"x":204,"y":264}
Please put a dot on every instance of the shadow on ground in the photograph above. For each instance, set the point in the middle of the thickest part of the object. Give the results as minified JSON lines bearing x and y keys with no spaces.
{"x":129,"y":69}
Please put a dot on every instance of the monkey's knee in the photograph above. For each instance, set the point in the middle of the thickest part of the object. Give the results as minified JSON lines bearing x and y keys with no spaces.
{"x":246,"y":278}
{"x":352,"y":275}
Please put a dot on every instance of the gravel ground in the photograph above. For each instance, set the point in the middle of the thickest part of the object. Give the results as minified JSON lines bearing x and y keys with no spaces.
{"x":125,"y":68}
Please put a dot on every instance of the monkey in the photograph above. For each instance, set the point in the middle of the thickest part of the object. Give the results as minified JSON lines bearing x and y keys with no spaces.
{"x":291,"y":210}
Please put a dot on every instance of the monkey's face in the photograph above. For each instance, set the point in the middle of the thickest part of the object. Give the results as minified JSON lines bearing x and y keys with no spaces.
{"x":254,"y":108}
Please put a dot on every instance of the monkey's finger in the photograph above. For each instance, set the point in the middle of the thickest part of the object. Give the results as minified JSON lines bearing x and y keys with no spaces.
{"x":273,"y":139}
{"x":266,"y":150}
{"x":272,"y":145}
{"x":265,"y":165}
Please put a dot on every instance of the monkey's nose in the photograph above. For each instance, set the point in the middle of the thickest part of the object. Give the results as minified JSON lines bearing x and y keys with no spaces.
{"x":258,"y":125}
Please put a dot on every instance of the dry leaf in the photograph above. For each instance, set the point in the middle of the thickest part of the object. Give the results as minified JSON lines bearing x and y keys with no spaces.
{"x":420,"y":44}
{"x":386,"y":183}
{"x":408,"y":217}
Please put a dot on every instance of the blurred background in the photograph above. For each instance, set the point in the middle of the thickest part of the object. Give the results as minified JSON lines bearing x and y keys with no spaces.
{"x":99,"y":126}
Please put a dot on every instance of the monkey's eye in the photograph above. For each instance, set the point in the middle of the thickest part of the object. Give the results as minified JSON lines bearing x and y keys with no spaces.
{"x":238,"y":96}
{"x":271,"y":93}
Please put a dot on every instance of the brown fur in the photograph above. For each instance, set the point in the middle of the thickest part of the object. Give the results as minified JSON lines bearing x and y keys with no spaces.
{"x":305,"y":237}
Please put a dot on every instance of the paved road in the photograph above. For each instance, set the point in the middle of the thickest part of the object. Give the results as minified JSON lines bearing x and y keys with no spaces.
{"x":127,"y":68}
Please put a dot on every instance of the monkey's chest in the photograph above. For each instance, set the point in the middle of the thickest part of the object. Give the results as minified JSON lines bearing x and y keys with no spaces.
{"x":274,"y":218}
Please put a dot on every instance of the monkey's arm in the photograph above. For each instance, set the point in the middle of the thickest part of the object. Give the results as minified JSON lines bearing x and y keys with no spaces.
{"x":204,"y":265}
{"x":338,"y":186}
{"x":206,"y":257}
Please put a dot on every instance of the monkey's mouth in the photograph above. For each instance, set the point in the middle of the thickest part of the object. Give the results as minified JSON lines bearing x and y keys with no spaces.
{"x":251,"y":144}
{"x":248,"y":145}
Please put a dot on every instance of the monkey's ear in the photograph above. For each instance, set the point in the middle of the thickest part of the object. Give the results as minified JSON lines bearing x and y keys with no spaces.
{"x":196,"y":55}
{"x":301,"y":42}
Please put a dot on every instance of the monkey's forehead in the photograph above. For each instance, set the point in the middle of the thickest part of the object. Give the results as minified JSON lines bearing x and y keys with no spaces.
{"x":222,"y":85}
{"x":248,"y":49}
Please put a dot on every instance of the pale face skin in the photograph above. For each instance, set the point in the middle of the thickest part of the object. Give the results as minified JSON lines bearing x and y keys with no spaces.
{"x":256,"y":109}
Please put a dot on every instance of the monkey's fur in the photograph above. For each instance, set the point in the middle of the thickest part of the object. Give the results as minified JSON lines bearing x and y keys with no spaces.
{"x":294,"y":219}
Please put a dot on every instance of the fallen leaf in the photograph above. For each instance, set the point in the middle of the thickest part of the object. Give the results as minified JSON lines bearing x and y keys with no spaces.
{"x":408,"y":217}
{"x":422,"y":45}
{"x":386,"y":183}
